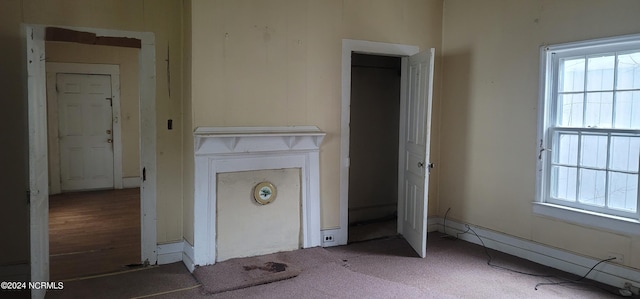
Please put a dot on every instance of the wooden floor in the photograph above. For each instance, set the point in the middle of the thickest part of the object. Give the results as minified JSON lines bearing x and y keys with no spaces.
{"x":93,"y":232}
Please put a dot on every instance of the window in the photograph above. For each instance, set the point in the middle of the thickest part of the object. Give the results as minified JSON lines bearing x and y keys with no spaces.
{"x":590,"y":126}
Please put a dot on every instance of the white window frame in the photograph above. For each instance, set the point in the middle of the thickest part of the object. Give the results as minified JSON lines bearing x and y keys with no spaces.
{"x":544,"y":205}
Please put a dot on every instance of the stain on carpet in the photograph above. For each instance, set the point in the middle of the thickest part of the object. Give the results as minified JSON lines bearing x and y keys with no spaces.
{"x":272,"y":267}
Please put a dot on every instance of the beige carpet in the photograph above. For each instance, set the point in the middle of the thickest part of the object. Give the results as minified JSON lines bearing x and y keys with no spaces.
{"x":384,"y":268}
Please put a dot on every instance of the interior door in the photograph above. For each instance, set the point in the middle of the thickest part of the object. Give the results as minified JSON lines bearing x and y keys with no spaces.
{"x":414,"y":165}
{"x":38,"y":166}
{"x":85,"y":131}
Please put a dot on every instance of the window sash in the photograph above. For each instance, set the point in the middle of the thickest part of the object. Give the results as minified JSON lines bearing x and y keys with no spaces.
{"x":550,"y":91}
{"x":553,"y":160}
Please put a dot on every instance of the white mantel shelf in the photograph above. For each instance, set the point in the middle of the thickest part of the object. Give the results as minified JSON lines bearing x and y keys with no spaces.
{"x":221,"y":140}
{"x":234,"y":149}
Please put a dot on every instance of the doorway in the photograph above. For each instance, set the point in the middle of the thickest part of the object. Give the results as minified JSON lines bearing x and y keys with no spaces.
{"x":38,"y":158}
{"x":373,"y":146}
{"x":416,"y":84}
{"x":91,"y":217}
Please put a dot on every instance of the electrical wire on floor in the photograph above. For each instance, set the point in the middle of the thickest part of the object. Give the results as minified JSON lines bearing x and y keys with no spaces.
{"x":490,"y":258}
{"x":579,"y":280}
{"x":564,"y":280}
{"x":486,"y":250}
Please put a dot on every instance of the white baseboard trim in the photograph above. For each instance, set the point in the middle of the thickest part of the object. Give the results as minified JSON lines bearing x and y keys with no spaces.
{"x":131,"y":182}
{"x":434,"y":224}
{"x":16,"y":272}
{"x":170,"y":253}
{"x":607,"y":273}
{"x":187,"y":256}
{"x":176,"y":252}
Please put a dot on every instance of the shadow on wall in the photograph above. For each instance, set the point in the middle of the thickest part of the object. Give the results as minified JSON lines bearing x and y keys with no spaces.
{"x":454,"y":134}
{"x":14,"y":215}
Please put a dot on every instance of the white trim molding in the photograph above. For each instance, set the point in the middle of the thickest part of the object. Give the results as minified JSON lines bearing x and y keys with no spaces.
{"x":350,"y":46}
{"x":607,"y":272}
{"x":235,"y":149}
{"x":176,"y":252}
{"x":587,"y":218}
{"x":170,"y":252}
{"x":187,"y":256}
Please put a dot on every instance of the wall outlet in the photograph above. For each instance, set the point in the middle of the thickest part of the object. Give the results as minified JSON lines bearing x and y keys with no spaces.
{"x":619,"y":257}
{"x":328,"y":238}
{"x":635,"y":290}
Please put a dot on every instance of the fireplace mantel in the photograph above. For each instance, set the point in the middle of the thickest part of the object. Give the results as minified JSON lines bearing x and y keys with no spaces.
{"x":225,"y":140}
{"x":235,"y":149}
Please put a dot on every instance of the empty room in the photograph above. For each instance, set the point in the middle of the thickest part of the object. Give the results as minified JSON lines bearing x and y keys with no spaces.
{"x":320,"y":149}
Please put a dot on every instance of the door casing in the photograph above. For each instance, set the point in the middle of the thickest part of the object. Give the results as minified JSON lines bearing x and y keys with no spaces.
{"x":364,"y":47}
{"x":34,"y":44}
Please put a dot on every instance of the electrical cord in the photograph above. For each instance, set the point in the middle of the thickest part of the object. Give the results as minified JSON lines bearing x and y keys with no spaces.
{"x":579,"y":280}
{"x":486,"y":251}
{"x":444,"y":230}
{"x":445,"y":227}
{"x":565,"y":281}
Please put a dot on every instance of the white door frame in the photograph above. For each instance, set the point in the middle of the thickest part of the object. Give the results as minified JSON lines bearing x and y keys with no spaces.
{"x":54,"y":68}
{"x":147,"y":94}
{"x":38,"y":204}
{"x":365,"y":47}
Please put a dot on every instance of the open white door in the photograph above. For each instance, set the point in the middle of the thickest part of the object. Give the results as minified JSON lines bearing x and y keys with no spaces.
{"x":38,"y":167}
{"x":415,"y":133}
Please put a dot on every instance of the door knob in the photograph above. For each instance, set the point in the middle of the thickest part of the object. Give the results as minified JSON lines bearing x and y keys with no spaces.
{"x":109,"y":140}
{"x":420,"y":164}
{"x":108,"y":131}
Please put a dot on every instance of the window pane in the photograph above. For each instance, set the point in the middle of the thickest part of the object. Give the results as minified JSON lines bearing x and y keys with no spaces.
{"x":623,"y":191}
{"x":570,"y":108}
{"x":625,"y":152}
{"x":594,"y":151}
{"x":627,"y":110}
{"x":599,"y":112}
{"x":592,"y":187}
{"x":563,"y":183}
{"x":600,"y":73}
{"x":567,"y":149}
{"x":571,"y":75}
{"x":629,"y":71}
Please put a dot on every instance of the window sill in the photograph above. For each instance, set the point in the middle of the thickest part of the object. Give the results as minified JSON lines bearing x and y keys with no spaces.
{"x":587,"y":218}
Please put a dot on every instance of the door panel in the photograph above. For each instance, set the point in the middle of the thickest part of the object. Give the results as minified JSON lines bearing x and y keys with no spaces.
{"x":414,"y":149}
{"x":85,"y":131}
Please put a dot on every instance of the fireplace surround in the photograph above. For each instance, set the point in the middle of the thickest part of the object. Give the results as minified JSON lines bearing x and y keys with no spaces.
{"x":235,"y":149}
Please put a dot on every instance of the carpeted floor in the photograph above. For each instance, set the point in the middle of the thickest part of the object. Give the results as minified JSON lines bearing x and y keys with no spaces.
{"x":384,"y":268}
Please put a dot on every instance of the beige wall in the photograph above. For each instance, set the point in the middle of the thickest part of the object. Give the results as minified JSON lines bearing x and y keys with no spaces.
{"x":127,"y":59}
{"x":489,"y":113}
{"x":246,"y":228}
{"x":278,"y":63}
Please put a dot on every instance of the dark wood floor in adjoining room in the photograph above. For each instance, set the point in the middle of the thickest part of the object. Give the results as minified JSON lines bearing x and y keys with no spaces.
{"x":93,"y":232}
